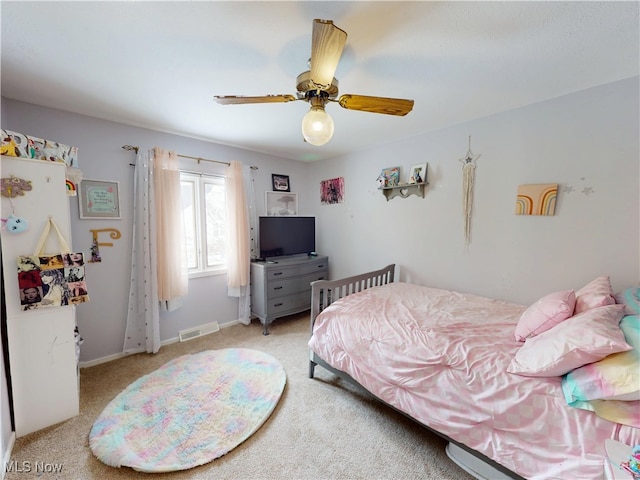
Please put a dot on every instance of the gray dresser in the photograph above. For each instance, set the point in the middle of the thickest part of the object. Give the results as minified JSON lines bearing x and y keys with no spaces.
{"x":283,"y":286}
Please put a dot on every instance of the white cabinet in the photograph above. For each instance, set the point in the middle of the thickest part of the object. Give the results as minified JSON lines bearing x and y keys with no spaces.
{"x":283,"y":286}
{"x":41,"y":342}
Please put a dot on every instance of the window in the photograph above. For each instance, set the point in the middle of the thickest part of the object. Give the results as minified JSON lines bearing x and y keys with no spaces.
{"x":205,"y":223}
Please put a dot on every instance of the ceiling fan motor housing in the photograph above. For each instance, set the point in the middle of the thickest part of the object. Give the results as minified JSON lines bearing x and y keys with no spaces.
{"x":306,"y":86}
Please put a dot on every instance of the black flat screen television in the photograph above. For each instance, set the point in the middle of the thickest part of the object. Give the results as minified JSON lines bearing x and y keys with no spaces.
{"x":282,"y":236}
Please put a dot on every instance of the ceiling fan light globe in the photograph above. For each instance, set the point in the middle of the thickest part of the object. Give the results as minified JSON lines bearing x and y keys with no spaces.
{"x":317,"y":127}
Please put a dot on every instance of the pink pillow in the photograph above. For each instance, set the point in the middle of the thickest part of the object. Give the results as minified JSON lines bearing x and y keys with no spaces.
{"x":596,"y":293}
{"x":581,"y":339}
{"x":546,"y":313}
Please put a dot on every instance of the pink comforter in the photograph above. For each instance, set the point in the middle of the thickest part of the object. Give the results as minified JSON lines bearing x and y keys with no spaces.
{"x":441,"y":357}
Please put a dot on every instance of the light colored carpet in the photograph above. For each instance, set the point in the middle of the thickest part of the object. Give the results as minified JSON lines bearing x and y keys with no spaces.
{"x":192,"y":410}
{"x":322,"y":428}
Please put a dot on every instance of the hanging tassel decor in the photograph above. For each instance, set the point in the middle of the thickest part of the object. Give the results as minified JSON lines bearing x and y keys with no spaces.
{"x":468,"y":180}
{"x":468,"y":175}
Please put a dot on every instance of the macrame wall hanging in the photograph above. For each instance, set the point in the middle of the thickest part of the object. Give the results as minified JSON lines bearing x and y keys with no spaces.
{"x":468,"y":179}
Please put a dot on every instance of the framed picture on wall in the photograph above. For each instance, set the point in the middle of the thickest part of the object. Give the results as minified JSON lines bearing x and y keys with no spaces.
{"x":280,"y":183}
{"x":332,"y":191}
{"x":279,"y":204}
{"x":418,"y":173}
{"x":99,"y":199}
{"x":389,"y":177}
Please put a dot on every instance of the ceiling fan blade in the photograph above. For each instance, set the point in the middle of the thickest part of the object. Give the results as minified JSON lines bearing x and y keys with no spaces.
{"x":327,"y":44}
{"x":239,"y":99}
{"x":388,"y":106}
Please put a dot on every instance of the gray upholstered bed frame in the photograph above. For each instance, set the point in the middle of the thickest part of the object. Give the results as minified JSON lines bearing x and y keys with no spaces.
{"x":323,"y":294}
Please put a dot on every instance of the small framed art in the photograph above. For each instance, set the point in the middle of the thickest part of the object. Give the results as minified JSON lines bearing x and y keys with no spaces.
{"x":280,"y":204}
{"x":537,"y":199}
{"x":280,"y":183}
{"x":332,"y":191}
{"x":418,"y":173}
{"x":389,"y":177}
{"x":99,"y":199}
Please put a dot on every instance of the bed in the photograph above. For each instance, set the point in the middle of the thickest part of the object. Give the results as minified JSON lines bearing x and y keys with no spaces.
{"x":446,"y":360}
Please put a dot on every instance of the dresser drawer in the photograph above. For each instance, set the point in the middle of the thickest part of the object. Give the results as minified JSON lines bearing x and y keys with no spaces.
{"x":317,"y":266}
{"x":286,"y":286}
{"x":296,"y":302}
{"x":295,"y":270}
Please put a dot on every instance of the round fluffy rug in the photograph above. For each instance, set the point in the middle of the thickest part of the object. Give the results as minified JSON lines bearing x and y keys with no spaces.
{"x":190,"y":411}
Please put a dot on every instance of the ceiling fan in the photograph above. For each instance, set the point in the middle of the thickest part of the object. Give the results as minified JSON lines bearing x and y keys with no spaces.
{"x":318,"y":86}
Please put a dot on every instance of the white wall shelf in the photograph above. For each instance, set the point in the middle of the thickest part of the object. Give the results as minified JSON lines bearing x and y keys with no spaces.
{"x":404,"y":190}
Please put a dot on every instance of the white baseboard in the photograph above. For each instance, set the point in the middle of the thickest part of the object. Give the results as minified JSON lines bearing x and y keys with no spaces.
{"x":116,"y":356}
{"x":98,"y":361}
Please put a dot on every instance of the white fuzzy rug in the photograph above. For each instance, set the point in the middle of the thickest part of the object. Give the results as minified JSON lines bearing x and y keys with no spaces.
{"x":190,"y":411}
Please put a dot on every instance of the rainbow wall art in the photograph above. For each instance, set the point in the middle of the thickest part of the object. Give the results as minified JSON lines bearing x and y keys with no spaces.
{"x":71,"y":188}
{"x":538,"y":199}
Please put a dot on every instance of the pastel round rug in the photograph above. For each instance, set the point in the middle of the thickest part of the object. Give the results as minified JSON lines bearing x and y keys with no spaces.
{"x":190,"y":411}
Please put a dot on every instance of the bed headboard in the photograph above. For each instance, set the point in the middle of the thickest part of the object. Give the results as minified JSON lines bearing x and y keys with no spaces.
{"x":325,"y":292}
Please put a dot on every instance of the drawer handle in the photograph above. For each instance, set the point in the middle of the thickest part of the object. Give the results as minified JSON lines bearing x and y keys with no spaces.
{"x":320,"y":278}
{"x":277,"y":273}
{"x":320,"y":266}
{"x":278,"y":304}
{"x":278,"y":288}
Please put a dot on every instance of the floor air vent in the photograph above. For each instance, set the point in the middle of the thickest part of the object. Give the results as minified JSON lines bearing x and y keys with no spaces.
{"x":196,"y":332}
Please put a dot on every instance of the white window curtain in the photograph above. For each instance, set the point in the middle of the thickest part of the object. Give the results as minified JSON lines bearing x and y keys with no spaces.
{"x":241,"y":218}
{"x":157,"y":273}
{"x":143,"y":319}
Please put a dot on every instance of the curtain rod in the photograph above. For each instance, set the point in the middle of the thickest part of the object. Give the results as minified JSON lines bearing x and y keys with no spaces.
{"x":131,"y":147}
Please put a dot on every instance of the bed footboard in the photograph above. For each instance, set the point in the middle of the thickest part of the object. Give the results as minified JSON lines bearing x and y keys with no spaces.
{"x":325,"y":292}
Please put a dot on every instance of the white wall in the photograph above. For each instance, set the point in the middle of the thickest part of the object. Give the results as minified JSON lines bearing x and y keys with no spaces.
{"x":587,"y":140}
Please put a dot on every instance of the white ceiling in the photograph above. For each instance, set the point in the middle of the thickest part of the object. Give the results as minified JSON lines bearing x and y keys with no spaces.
{"x":159,"y":64}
